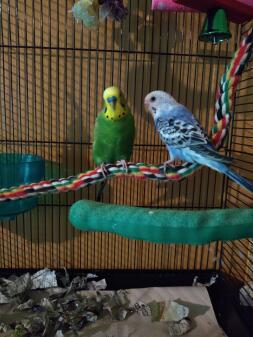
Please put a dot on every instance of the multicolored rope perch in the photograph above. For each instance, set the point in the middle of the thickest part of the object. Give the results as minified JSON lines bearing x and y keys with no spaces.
{"x":227,"y":88}
{"x":139,"y":171}
{"x":223,"y":107}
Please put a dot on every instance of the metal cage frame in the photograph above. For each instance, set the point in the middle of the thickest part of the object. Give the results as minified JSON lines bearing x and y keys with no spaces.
{"x":52,"y":73}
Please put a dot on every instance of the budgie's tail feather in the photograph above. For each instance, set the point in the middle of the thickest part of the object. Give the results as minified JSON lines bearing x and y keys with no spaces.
{"x":239,"y":180}
{"x":101,"y":191}
{"x":223,"y":168}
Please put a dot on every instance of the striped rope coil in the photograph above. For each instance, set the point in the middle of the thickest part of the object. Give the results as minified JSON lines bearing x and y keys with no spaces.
{"x":226,"y":90}
{"x":223,"y":107}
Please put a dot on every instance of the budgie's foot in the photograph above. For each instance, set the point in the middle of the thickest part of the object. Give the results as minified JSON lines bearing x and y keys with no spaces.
{"x":170,"y":163}
{"x":124,"y":164}
{"x":104,"y":170}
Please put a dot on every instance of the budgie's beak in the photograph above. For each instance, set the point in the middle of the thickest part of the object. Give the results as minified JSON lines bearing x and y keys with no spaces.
{"x":112,"y":101}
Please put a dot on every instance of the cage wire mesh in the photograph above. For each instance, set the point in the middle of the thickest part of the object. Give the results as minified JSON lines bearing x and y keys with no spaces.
{"x":53,"y":72}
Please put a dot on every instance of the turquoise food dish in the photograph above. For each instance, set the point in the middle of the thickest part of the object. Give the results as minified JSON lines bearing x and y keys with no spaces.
{"x":19,"y":169}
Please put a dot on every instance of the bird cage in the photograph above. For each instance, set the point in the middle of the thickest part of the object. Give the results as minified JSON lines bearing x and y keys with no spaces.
{"x":53,"y":71}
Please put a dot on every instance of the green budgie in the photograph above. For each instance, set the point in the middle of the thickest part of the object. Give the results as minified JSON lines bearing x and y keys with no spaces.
{"x":114,"y":131}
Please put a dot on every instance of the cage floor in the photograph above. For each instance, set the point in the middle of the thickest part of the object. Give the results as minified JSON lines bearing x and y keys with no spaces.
{"x":195,"y":298}
{"x":234,"y":320}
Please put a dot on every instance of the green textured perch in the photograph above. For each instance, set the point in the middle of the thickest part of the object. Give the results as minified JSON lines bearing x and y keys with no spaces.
{"x":163,"y":226}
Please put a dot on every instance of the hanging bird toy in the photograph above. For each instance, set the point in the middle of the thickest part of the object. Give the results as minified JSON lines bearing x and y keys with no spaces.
{"x":91,"y":12}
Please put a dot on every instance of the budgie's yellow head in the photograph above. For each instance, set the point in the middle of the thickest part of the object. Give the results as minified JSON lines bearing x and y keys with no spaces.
{"x":115,"y":104}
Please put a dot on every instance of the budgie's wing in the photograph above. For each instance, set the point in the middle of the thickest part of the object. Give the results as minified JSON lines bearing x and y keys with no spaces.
{"x":187,"y":133}
{"x":113,"y":140}
{"x":208,"y":152}
{"x":181,"y":132}
{"x":125,"y":140}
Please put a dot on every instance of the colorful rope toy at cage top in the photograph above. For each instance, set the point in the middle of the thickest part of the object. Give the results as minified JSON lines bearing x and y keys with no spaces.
{"x":222,"y":117}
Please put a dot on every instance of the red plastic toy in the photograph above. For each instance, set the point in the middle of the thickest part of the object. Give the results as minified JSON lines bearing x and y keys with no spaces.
{"x":238,"y":11}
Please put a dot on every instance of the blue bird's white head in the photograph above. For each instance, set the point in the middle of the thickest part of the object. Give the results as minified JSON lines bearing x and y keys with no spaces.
{"x":156,"y":100}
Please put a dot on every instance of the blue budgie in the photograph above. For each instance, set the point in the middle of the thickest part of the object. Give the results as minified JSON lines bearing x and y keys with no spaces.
{"x":184,"y":137}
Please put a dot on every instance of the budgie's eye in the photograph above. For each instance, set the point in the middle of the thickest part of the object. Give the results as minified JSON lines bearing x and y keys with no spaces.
{"x":152,"y":98}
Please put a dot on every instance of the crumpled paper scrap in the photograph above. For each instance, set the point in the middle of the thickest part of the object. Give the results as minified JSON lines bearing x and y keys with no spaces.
{"x":59,"y":333}
{"x":44,"y":279}
{"x":174,"y":312}
{"x":146,"y":310}
{"x":179,"y":328}
{"x":4,"y":328}
{"x":81,"y":282}
{"x":212,"y":281}
{"x":25,"y":306}
{"x":4,"y":299}
{"x":171,"y":312}
{"x":15,"y":285}
{"x":97,"y":285}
